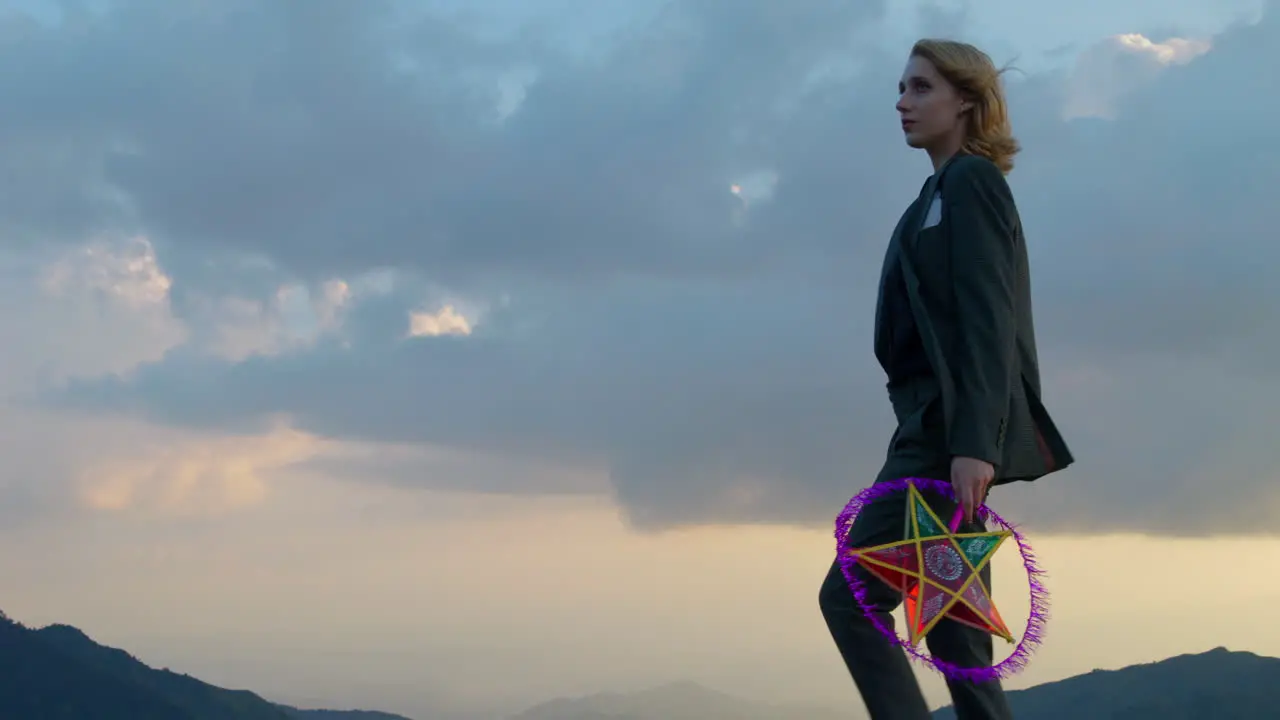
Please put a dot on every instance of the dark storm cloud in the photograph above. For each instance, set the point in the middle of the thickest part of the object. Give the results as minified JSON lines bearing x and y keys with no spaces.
{"x":719,"y":368}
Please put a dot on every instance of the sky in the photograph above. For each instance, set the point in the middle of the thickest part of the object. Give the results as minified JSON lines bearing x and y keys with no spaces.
{"x":375,"y":353}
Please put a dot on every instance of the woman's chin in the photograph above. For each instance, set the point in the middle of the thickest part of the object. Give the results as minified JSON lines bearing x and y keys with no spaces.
{"x":914,"y":140}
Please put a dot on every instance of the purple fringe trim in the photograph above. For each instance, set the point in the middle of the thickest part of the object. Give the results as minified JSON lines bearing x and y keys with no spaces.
{"x":1031,"y":637}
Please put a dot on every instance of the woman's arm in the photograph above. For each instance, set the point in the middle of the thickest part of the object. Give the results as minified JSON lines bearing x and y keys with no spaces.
{"x":981,"y":240}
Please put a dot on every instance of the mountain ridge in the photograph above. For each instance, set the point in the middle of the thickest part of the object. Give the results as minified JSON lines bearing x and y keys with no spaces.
{"x":38,"y":665}
{"x":1220,"y":684}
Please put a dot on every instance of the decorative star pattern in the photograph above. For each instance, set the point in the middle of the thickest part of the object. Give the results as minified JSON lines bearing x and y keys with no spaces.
{"x":937,"y":571}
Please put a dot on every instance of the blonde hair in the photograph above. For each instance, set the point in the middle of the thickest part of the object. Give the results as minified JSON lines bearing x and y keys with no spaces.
{"x":976,"y":78}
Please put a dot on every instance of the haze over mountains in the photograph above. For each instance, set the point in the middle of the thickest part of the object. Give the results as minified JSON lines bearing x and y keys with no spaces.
{"x":59,"y":673}
{"x":1215,"y":685}
{"x":677,"y":701}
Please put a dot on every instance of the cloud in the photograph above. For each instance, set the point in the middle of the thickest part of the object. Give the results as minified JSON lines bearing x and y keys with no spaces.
{"x":1110,"y":71}
{"x":445,"y":321}
{"x":188,"y":476}
{"x":708,"y":348}
{"x":102,"y":307}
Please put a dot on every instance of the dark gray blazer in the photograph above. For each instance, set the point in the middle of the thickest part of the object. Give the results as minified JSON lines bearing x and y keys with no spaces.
{"x":969,"y":283}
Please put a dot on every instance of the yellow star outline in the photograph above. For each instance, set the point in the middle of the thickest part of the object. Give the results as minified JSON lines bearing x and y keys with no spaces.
{"x":910,"y":580}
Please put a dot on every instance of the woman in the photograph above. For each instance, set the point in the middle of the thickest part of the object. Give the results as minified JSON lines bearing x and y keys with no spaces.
{"x":954,"y":334}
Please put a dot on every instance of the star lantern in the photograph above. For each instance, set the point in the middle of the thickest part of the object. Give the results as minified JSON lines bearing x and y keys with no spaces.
{"x":938,"y":571}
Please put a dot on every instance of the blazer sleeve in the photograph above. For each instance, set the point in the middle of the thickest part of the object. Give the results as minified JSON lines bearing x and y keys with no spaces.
{"x":981,"y":241}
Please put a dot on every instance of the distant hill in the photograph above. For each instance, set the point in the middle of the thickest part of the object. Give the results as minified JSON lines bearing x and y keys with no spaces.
{"x":59,"y":673}
{"x":340,"y":714}
{"x":678,"y":701}
{"x":1219,"y":684}
{"x":1216,"y":685}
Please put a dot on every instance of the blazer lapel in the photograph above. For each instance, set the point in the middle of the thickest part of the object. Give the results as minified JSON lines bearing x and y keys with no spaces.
{"x":891,"y":255}
{"x":906,"y":256}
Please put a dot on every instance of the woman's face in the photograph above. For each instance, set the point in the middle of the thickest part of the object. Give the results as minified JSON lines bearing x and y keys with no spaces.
{"x":930,"y":108}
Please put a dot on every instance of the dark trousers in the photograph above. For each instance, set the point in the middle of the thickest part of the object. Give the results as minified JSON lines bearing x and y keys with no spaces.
{"x":880,"y":669}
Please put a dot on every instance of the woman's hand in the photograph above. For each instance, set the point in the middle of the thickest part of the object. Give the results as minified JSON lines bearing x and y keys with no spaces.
{"x":969,"y":479}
